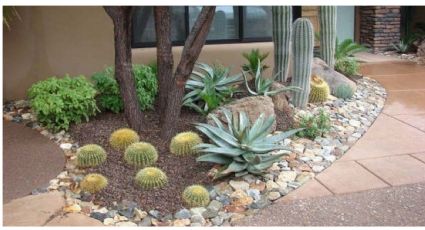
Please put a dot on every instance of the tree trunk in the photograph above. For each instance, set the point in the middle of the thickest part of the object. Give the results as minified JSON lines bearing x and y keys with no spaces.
{"x":191,"y":50}
{"x":121,"y":17}
{"x":164,"y":55}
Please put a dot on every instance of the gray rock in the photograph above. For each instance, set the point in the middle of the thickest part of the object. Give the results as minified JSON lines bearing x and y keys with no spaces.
{"x":195,"y":225}
{"x":182,"y":214}
{"x":197,"y":211}
{"x":147,"y":221}
{"x":217,"y":221}
{"x":242,"y":185}
{"x":262,"y":203}
{"x":98,"y":216}
{"x":111,"y":213}
{"x":273,"y":196}
{"x":224,"y":199}
{"x":254,"y":193}
{"x":197,"y":219}
{"x":215,"y":206}
{"x":155,"y":214}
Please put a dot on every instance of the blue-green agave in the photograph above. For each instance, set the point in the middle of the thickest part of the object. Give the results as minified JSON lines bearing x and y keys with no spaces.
{"x":210,"y":87}
{"x":241,"y":147}
{"x":263,"y":85}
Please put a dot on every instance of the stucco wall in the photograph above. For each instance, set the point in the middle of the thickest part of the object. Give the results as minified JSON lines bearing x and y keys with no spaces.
{"x":51,"y":41}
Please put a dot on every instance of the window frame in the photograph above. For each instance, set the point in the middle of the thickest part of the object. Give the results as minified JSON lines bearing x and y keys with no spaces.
{"x":240,"y":38}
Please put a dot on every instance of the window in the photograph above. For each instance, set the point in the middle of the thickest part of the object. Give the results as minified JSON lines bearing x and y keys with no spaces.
{"x":231,"y":24}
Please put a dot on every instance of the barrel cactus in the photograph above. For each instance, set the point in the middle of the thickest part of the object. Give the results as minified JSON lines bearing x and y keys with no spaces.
{"x":328,"y":34}
{"x":90,"y":156}
{"x":196,"y":196}
{"x":182,"y":144}
{"x":141,"y":154}
{"x":93,"y":183}
{"x":302,"y":47}
{"x":344,"y":91}
{"x":319,"y":90}
{"x":282,"y":29}
{"x":151,"y":177}
{"x":122,"y":138}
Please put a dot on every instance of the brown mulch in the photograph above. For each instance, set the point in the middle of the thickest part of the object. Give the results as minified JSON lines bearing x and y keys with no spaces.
{"x":181,"y":171}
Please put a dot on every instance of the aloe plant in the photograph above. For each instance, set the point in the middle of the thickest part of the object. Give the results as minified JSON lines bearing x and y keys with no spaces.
{"x":209,"y":88}
{"x":252,"y":58}
{"x":263,"y":85}
{"x":241,"y":147}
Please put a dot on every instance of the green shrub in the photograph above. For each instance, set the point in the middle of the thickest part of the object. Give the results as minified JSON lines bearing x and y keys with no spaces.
{"x":109,"y":97}
{"x":347,"y":66}
{"x":60,"y":102}
{"x":209,"y":88}
{"x":344,"y":92}
{"x":314,"y":125}
{"x":240,"y":147}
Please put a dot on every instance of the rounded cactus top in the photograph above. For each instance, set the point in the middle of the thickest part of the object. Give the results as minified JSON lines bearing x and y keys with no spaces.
{"x":151,"y":177}
{"x":183,"y":143}
{"x":317,"y":80}
{"x":122,"y":138}
{"x":91,"y":148}
{"x":196,"y":195}
{"x":93,"y":183}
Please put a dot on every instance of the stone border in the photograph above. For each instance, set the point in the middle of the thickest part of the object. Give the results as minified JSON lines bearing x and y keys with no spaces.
{"x":234,"y":199}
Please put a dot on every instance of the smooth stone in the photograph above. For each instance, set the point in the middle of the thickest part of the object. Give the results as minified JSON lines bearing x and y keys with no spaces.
{"x":317,"y":168}
{"x":98,"y":216}
{"x":181,"y":222}
{"x":155,"y":214}
{"x":197,"y":211}
{"x":126,"y":224}
{"x":242,"y":185}
{"x":197,"y":219}
{"x":65,"y":146}
{"x":254,"y":193}
{"x":108,"y":221}
{"x":217,"y":221}
{"x":273,"y":196}
{"x":183,"y":214}
{"x":147,"y":221}
{"x":139,"y":214}
{"x":215,"y":206}
{"x":112,"y":213}
{"x":287,"y":176}
{"x":225,"y":200}
{"x":261,"y":203}
{"x":270,"y":185}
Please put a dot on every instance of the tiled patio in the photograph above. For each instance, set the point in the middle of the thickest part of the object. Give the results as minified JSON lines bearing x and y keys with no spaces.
{"x":391,"y":153}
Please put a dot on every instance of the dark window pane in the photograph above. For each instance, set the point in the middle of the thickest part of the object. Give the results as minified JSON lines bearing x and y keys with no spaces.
{"x":257,"y":22}
{"x":225,"y":24}
{"x":144,"y":25}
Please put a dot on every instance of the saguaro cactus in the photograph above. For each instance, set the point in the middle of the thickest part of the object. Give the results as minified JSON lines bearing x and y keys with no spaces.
{"x":302,"y":48}
{"x":328,"y":34}
{"x":282,"y":31}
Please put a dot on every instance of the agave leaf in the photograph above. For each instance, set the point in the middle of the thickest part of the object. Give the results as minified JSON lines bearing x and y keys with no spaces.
{"x":239,"y":174}
{"x":231,"y":152}
{"x":214,"y":158}
{"x":258,"y":74}
{"x":263,"y":130}
{"x":263,"y":148}
{"x":239,"y":159}
{"x":222,"y":134}
{"x":254,"y":128}
{"x":281,"y":136}
{"x":204,"y":145}
{"x":191,"y":94}
{"x":194,"y":106}
{"x":228,"y":115}
{"x":217,"y":122}
{"x":248,"y":156}
{"x":235,"y":167}
{"x":247,"y":86}
{"x":217,"y":140}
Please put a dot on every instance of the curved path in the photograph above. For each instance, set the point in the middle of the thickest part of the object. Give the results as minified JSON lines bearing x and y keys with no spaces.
{"x":30,"y":160}
{"x":381,"y":179}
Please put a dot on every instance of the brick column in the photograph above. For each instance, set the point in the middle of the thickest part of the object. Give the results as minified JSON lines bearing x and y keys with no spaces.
{"x":379,"y":26}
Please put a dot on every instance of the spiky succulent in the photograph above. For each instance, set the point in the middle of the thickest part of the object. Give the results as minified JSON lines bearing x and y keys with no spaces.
{"x":141,"y":154}
{"x":93,"y":183}
{"x":150,"y":178}
{"x":90,"y":156}
{"x":253,"y":64}
{"x":241,"y":147}
{"x":122,"y":138}
{"x":182,"y":144}
{"x":344,"y":91}
{"x":319,"y":90}
{"x":209,"y":88}
{"x":262,"y":84}
{"x":196,"y":196}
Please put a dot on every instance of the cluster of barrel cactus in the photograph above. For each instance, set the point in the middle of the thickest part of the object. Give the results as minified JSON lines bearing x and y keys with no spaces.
{"x":319,"y":90}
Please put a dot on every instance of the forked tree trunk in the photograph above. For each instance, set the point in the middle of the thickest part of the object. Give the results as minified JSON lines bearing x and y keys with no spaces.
{"x":191,"y":50}
{"x":164,"y":55}
{"x":121,"y":17}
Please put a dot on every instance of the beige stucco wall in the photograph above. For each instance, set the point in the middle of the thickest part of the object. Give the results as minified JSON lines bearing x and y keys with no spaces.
{"x":52,"y":40}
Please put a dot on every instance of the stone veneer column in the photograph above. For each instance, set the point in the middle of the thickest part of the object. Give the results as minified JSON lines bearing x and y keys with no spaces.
{"x":379,"y":26}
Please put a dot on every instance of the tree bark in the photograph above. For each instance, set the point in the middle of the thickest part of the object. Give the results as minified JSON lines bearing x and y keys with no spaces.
{"x":191,"y":50}
{"x":164,"y":55}
{"x":121,"y":17}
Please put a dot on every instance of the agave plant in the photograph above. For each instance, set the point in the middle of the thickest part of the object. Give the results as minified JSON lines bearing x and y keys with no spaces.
{"x":404,"y":45}
{"x":263,"y":85}
{"x":347,"y":48}
{"x":209,"y":88}
{"x":241,"y":147}
{"x":252,"y":58}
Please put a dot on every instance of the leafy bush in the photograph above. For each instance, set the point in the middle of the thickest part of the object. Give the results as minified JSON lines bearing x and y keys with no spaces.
{"x":60,"y":102}
{"x":314,"y":125}
{"x":252,"y":57}
{"x":347,"y":48}
{"x":347,"y":66}
{"x":209,"y":88}
{"x":241,"y":147}
{"x":109,"y":97}
{"x":263,"y":85}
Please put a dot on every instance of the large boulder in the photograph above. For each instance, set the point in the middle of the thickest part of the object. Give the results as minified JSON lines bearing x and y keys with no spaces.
{"x":332,"y":77}
{"x":252,"y":106}
{"x":284,"y":112}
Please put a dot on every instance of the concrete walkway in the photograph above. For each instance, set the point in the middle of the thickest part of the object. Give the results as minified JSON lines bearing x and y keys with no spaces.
{"x":30,"y":160}
{"x":391,"y":153}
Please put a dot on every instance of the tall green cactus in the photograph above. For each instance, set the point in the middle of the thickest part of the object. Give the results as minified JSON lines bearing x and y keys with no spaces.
{"x":328,"y":34}
{"x":282,"y":30}
{"x":302,"y":48}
